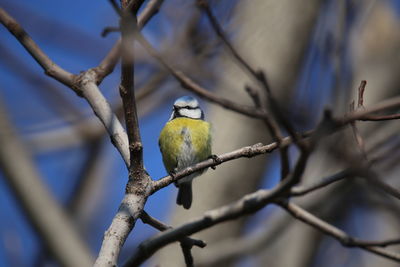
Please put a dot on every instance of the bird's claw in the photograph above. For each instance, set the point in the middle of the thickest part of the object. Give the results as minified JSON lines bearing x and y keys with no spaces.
{"x":216,"y":160}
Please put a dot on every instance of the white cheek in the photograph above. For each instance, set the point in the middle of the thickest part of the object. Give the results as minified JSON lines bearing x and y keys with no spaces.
{"x":191,"y":113}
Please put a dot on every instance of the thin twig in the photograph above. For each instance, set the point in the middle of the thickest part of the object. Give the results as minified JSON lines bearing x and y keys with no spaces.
{"x":336,"y":233}
{"x":108,"y":63}
{"x":191,"y":85}
{"x":357,"y":136}
{"x":159,"y":225}
{"x":387,"y":104}
{"x":248,"y":152}
{"x":377,"y":181}
{"x":305,"y":189}
{"x":261,"y":79}
{"x":361,"y":89}
{"x":186,"y":242}
{"x":381,"y":118}
{"x":203,"y":4}
{"x":107,"y":30}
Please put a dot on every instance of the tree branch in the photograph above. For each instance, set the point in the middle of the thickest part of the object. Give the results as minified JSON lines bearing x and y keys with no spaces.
{"x":387,"y":104}
{"x":305,"y":189}
{"x":248,"y":152}
{"x":49,"y":67}
{"x":43,"y":211}
{"x":127,"y":93}
{"x":246,"y":205}
{"x":258,"y":149}
{"x":107,"y":65}
{"x":191,"y":85}
{"x":138,"y":186}
{"x":83,"y":84}
{"x":102,"y":109}
{"x":260,"y":78}
{"x":186,"y":242}
{"x":121,"y":225}
{"x":338,"y":234}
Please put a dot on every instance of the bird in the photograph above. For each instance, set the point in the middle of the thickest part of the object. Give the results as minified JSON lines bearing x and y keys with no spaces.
{"x":184,"y":141}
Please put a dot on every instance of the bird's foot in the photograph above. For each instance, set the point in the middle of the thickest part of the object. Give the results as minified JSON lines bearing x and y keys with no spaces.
{"x":173,"y":174}
{"x":216,"y":159}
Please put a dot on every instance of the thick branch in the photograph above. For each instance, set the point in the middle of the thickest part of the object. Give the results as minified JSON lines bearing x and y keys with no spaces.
{"x":44,"y":213}
{"x":103,"y":111}
{"x":41,"y":58}
{"x":122,"y":224}
{"x":138,"y":187}
{"x":126,"y":90}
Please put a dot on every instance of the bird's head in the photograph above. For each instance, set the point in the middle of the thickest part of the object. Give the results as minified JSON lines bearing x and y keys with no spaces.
{"x":187,"y":107}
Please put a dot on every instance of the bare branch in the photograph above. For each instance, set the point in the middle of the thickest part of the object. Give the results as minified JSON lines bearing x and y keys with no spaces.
{"x":84,"y":84}
{"x":127,"y":93}
{"x":259,"y":149}
{"x":260,"y":78}
{"x":102,"y":109}
{"x":43,"y":211}
{"x":248,"y":152}
{"x":122,"y":224}
{"x":361,"y":89}
{"x":41,"y":58}
{"x":147,"y":219}
{"x":191,"y":85}
{"x":246,"y":205}
{"x":148,"y":12}
{"x":373,"y":178}
{"x":203,"y":4}
{"x":305,"y":189}
{"x":338,"y":234}
{"x":138,"y":187}
{"x":107,"y":65}
{"x":390,"y":103}
{"x":186,"y":243}
{"x":381,"y":118}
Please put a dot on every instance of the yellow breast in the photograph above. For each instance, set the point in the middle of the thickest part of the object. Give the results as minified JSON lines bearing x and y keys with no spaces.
{"x":184,"y":141}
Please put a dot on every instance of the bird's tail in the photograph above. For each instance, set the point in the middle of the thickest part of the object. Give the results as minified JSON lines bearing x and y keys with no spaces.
{"x":185,"y":194}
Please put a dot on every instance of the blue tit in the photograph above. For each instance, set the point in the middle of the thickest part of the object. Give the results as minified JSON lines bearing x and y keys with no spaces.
{"x":184,"y":141}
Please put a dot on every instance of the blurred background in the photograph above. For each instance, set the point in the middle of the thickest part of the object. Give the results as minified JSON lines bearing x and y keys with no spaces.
{"x":314,"y":52}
